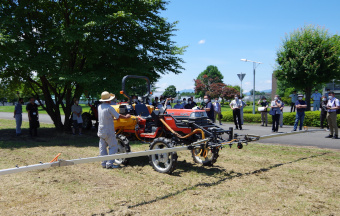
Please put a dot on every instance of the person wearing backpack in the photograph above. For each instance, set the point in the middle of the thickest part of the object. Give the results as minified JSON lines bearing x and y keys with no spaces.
{"x":332,"y":107}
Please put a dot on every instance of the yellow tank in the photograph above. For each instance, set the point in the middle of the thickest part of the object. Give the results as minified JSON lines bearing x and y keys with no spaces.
{"x":130,"y":123}
{"x":126,"y":124}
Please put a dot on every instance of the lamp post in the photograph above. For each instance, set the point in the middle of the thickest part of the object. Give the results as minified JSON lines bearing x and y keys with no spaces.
{"x":241,"y":76}
{"x":255,"y":64}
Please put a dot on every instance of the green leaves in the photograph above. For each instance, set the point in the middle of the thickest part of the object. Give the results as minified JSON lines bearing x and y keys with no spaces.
{"x":76,"y":45}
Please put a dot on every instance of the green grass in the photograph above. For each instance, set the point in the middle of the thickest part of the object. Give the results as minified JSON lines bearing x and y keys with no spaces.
{"x":257,"y":180}
{"x":10,"y":109}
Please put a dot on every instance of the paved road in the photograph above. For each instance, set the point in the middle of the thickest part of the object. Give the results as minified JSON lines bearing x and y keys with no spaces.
{"x":43,"y":118}
{"x":312,"y":138}
{"x":315,"y":138}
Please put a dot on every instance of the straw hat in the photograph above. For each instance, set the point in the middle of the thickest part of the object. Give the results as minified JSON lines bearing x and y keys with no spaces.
{"x":106,"y":96}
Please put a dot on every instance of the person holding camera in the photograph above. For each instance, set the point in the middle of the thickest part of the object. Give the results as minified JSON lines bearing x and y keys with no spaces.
{"x":323,"y":114}
{"x":332,"y":107}
{"x":264,"y":114}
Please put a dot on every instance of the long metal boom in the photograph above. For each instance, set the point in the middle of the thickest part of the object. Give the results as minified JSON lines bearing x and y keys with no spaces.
{"x":99,"y":158}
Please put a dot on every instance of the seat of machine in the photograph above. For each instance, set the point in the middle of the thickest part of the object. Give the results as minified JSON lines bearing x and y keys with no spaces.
{"x":142,"y":110}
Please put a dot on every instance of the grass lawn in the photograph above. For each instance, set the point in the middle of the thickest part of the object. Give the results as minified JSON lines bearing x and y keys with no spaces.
{"x":257,"y":180}
{"x":10,"y":109}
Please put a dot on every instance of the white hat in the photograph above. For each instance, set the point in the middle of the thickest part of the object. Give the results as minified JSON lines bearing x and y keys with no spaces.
{"x":106,"y":96}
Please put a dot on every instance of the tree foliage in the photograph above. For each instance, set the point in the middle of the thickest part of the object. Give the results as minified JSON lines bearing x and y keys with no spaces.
{"x":308,"y":58}
{"x":170,"y":91}
{"x":209,"y":86}
{"x":66,"y":47}
{"x":212,"y":72}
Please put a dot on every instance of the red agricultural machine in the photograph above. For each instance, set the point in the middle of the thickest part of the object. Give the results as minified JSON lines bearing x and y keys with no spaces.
{"x":169,"y":128}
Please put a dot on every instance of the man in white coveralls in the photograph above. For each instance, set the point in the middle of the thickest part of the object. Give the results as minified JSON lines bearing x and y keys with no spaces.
{"x":106,"y":129}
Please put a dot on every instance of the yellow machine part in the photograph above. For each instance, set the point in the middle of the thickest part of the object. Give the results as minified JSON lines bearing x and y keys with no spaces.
{"x":127,"y":124}
{"x":130,"y":123}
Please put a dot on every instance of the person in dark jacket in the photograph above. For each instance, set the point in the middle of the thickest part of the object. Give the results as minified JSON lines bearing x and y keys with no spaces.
{"x":33,"y":116}
{"x":323,"y":114}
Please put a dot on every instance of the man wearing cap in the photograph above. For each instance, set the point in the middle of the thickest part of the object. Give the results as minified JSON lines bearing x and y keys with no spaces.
{"x":332,"y":106}
{"x":300,"y":112}
{"x":294,"y":99}
{"x":106,"y":129}
{"x":316,"y":96}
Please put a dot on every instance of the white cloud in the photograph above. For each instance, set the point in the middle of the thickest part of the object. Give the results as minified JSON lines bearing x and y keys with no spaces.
{"x":201,"y":42}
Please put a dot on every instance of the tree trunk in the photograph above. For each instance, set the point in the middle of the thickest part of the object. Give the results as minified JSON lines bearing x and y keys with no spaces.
{"x":308,"y":95}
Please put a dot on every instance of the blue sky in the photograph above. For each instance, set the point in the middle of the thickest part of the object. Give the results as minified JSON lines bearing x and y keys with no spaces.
{"x":221,"y":32}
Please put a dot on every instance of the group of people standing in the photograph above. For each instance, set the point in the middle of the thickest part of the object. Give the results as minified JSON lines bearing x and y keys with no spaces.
{"x":33,"y":116}
{"x":328,"y":104}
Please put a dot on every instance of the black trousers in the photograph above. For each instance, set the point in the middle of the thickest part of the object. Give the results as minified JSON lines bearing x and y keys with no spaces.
{"x":292,"y":106}
{"x":237,"y":118}
{"x":34,"y":124}
{"x":276,"y":121}
{"x":323,"y":117}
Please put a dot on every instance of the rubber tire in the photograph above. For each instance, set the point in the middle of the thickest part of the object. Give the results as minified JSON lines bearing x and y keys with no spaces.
{"x":173,"y":156}
{"x":87,"y":122}
{"x":126,"y":145}
{"x":209,"y":162}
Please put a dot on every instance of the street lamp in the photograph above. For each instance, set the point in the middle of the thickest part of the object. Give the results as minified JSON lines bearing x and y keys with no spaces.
{"x":255,"y":64}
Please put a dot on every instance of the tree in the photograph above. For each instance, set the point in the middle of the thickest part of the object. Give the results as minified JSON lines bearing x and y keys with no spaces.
{"x":208,"y":86}
{"x":308,"y":57}
{"x":170,"y":91}
{"x":64,"y":48}
{"x":256,"y":92}
{"x":212,"y":72}
{"x":228,"y":92}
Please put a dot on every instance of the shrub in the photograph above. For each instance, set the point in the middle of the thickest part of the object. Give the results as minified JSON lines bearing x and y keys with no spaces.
{"x":312,"y":118}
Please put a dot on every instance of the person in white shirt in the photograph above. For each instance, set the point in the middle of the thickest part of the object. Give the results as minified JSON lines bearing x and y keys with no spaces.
{"x":332,"y":106}
{"x":167,"y":104}
{"x":316,"y":96}
{"x":106,"y":129}
{"x":178,"y":105}
{"x":76,"y":117}
{"x":275,"y":106}
{"x":217,"y":107}
{"x":236,"y":105}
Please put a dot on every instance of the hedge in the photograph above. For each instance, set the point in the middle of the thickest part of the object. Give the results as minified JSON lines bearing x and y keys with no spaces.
{"x":312,"y":118}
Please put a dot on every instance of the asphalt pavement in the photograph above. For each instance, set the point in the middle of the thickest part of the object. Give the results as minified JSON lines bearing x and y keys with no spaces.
{"x":43,"y":118}
{"x":314,"y":137}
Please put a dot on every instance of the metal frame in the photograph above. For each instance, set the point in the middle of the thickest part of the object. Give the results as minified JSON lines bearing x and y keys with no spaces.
{"x":194,"y":145}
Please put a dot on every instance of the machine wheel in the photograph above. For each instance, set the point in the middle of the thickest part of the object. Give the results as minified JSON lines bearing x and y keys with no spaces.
{"x":123,"y":147}
{"x":87,"y":122}
{"x":165,"y":162}
{"x":210,"y":158}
